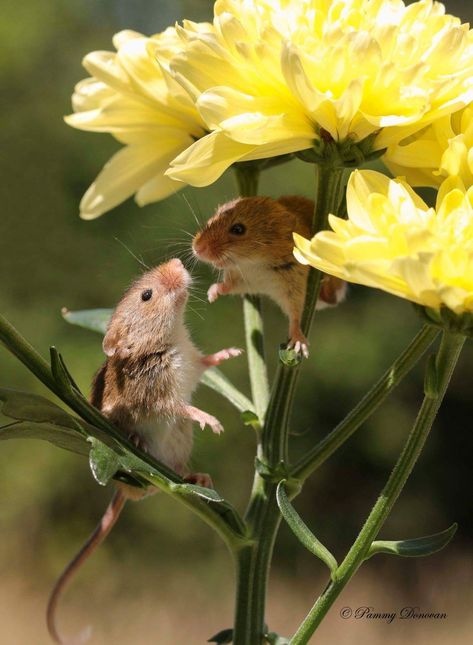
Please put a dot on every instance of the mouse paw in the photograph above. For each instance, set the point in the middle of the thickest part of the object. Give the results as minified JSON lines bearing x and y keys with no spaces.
{"x":212,"y":360}
{"x":299,"y":344}
{"x":203,"y":419}
{"x":200,"y":479}
{"x":213,"y":293}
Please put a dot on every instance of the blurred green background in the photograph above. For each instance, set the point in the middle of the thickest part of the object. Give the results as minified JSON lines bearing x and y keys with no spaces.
{"x":163,"y":577}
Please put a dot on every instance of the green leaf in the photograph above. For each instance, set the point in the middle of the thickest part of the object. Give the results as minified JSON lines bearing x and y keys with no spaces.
{"x":104,"y":462}
{"x":302,"y":532}
{"x":218,"y":382}
{"x":415,"y":548}
{"x":225,"y":636}
{"x":34,"y":417}
{"x":61,"y":437}
{"x":60,"y":373}
{"x":289,"y":357}
{"x":251,"y":419}
{"x":92,"y":319}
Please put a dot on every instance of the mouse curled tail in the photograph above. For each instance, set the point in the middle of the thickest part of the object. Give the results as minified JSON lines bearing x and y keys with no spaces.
{"x":101,"y":531}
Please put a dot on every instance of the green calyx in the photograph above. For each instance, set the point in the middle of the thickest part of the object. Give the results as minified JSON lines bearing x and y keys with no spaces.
{"x":341,"y":154}
{"x":445,"y":318}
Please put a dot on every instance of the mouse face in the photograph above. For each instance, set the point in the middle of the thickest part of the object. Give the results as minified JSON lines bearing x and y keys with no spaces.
{"x":245,"y":229}
{"x":147,"y":314}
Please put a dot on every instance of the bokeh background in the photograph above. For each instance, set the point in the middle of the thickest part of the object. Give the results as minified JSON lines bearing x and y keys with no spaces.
{"x":163,"y":577}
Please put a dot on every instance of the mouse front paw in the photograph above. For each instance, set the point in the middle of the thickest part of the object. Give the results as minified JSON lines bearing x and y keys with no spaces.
{"x":203,"y":419}
{"x":212,"y":360}
{"x":214,"y":292}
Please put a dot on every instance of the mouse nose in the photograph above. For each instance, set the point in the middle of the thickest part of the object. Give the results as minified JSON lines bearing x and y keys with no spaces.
{"x":176,"y":264}
{"x":200,"y":247}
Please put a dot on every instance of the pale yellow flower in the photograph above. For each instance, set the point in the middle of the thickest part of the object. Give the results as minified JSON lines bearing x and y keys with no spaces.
{"x":393,"y":241}
{"x":132,"y":95}
{"x":443,"y":149}
{"x":268,"y":75}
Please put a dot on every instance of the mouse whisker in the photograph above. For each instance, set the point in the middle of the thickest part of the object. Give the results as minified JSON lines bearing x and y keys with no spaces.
{"x":184,"y":197}
{"x":133,"y":255}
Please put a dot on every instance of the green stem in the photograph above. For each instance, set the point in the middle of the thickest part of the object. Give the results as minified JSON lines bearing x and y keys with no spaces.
{"x":329,"y":182}
{"x":263,"y":516}
{"x":368,"y":404}
{"x":444,"y":365}
{"x":27,"y":354}
{"x":247,"y":176}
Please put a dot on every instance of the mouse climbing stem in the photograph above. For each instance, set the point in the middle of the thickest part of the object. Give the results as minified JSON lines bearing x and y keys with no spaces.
{"x":263,"y":516}
{"x":247,"y":177}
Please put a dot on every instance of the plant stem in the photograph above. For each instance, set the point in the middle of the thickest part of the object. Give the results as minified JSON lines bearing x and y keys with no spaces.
{"x":445,"y":362}
{"x":329,"y":182}
{"x":263,"y":516}
{"x":247,"y":177}
{"x":368,"y":404}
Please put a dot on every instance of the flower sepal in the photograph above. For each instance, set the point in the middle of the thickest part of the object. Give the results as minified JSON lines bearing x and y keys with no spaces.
{"x":447,"y":319}
{"x":341,"y":154}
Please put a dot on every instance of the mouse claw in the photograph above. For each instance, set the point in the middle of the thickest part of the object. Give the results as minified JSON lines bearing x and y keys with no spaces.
{"x":299,"y":345}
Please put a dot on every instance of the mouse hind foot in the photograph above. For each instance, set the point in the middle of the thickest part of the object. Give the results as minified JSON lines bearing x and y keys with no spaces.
{"x":199,"y":479}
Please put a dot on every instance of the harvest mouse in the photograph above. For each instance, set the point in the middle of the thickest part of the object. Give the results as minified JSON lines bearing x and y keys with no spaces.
{"x":145,"y":388}
{"x":250,"y":238}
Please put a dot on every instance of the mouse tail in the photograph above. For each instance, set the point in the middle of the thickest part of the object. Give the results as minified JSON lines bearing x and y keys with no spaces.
{"x":101,"y":531}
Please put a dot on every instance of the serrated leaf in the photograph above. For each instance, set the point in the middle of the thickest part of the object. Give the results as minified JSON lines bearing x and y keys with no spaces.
{"x":92,"y":319}
{"x":103,"y":461}
{"x":302,"y":531}
{"x":223,"y":637}
{"x":251,"y":419}
{"x":417,"y":547}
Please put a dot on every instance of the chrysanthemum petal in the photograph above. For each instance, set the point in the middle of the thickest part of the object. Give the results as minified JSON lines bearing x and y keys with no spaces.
{"x":393,"y":241}
{"x":121,"y":177}
{"x":207,"y":159}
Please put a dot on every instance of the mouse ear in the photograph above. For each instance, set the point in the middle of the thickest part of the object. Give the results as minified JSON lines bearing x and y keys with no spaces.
{"x":114,"y":344}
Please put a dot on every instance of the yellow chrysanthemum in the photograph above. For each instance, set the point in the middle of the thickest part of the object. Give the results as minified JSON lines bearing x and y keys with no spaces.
{"x":132,"y":95}
{"x":393,"y":241}
{"x":269,"y":74}
{"x":443,"y":149}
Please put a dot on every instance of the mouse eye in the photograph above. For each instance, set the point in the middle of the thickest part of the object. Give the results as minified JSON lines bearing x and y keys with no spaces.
{"x":238,"y":229}
{"x":146,"y":294}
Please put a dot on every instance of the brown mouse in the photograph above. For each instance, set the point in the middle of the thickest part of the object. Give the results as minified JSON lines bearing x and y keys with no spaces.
{"x":250,"y":239}
{"x":145,"y":388}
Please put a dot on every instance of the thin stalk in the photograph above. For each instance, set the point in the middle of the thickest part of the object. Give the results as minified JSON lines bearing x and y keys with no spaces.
{"x":263,"y":516}
{"x":247,"y":179}
{"x":329,"y":182}
{"x":446,"y":360}
{"x":368,"y":404}
{"x":27,"y":355}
